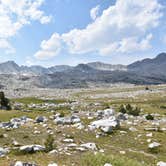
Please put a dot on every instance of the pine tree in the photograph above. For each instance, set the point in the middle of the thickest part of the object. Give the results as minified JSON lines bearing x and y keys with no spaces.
{"x":4,"y":102}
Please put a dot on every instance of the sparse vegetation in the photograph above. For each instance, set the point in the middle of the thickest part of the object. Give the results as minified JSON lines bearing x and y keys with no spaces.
{"x":101,"y":159}
{"x":123,"y":147}
{"x":122,"y":109}
{"x":49,"y":143}
{"x":135,"y":111}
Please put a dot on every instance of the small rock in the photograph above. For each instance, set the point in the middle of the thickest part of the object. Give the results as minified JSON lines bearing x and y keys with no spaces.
{"x":122,"y":152}
{"x":152,"y":129}
{"x":20,"y":163}
{"x":91,"y":146}
{"x":67,"y":120}
{"x":45,"y":125}
{"x":41,"y":119}
{"x":111,"y":122}
{"x":163,"y":129}
{"x":154,"y":145}
{"x":149,"y":135}
{"x":81,"y":149}
{"x":79,"y":126}
{"x":101,"y":150}
{"x":107,"y":129}
{"x":72,"y":145}
{"x":36,"y":132}
{"x":107,"y":164}
{"x":32,"y":148}
{"x":123,"y":132}
{"x":53,"y":151}
{"x":3,"y":152}
{"x":53,"y":164}
{"x":15,"y":143}
{"x":161,"y":163}
{"x":5,"y":135}
{"x":133,"y":129}
{"x":68,"y":140}
{"x":149,"y":140}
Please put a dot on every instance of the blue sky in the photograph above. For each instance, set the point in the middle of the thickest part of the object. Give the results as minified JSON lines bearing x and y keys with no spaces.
{"x":54,"y":32}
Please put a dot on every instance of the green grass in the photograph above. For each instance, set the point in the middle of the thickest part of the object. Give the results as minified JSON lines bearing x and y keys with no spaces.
{"x":7,"y":115}
{"x":28,"y":100}
{"x":34,"y":100}
{"x":137,"y":152}
{"x":100,"y":159}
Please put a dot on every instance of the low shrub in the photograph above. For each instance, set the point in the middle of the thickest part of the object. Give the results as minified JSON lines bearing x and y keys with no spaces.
{"x":154,"y":150}
{"x":149,"y":117}
{"x":49,"y":143}
{"x":135,"y":111}
{"x":122,"y":109}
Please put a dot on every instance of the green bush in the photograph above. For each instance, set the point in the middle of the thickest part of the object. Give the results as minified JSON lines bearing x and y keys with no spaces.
{"x":134,"y":111}
{"x":163,"y":107}
{"x":62,"y":114}
{"x":147,"y":88}
{"x":149,"y":117}
{"x":129,"y":107}
{"x":4,"y":102}
{"x":154,"y":150}
{"x":122,"y":109}
{"x":49,"y":143}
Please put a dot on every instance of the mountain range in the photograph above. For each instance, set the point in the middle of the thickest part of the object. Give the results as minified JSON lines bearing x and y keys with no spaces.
{"x":147,"y":71}
{"x":10,"y":67}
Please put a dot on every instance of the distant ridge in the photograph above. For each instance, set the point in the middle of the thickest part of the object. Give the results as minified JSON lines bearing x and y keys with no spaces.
{"x":104,"y":66}
{"x":147,"y":71}
{"x":10,"y":67}
{"x":156,"y":66}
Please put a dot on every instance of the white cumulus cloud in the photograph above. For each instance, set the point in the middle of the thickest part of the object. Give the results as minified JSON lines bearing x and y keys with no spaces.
{"x":14,"y":14}
{"x":122,"y":28}
{"x":94,"y":12}
{"x":49,"y":48}
{"x":128,"y":45}
{"x":4,"y":44}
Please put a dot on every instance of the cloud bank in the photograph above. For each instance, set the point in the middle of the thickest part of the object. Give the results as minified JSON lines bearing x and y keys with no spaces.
{"x":122,"y":28}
